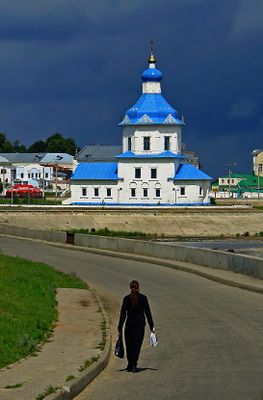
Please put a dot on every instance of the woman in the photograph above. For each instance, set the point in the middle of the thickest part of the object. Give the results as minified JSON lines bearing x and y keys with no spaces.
{"x":134,"y":308}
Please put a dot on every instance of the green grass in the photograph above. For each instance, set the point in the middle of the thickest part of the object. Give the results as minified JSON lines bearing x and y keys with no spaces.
{"x":108,"y":232}
{"x":24,"y":200}
{"x":27,"y":305}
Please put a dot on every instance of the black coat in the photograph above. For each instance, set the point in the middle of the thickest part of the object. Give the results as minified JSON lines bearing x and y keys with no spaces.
{"x":135,"y":315}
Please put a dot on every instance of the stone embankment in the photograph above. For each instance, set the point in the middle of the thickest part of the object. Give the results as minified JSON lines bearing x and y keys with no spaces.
{"x":168,"y":223}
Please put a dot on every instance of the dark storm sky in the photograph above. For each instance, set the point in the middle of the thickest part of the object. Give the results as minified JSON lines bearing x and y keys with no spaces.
{"x":74,"y":67}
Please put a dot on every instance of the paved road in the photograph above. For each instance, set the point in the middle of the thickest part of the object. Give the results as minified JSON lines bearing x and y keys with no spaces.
{"x":211,"y":335}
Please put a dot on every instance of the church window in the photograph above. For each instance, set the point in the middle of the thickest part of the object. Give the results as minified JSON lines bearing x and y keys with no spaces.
{"x":84,"y":191}
{"x":96,"y":192}
{"x":138,"y":173}
{"x":153,"y":173}
{"x":145,"y":192}
{"x":167,"y":143}
{"x":108,"y":192}
{"x":129,"y":143}
{"x":157,"y":192}
{"x":146,"y":143}
{"x":182,"y":191}
{"x":133,"y":192}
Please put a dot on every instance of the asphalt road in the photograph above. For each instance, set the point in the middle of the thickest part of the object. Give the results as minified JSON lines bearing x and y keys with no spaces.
{"x":211,"y":335}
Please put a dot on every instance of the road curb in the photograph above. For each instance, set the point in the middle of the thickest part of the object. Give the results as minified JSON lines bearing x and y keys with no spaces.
{"x":76,"y":386}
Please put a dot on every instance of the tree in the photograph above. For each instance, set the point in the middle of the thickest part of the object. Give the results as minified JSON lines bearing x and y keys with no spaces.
{"x":5,"y":145}
{"x":58,"y":144}
{"x":18,"y":147}
{"x":38,"y":147}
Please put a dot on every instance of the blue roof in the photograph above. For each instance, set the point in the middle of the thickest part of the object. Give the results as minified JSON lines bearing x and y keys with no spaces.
{"x":96,"y":171}
{"x":152,"y":75}
{"x":164,"y":154}
{"x":151,"y":108}
{"x":190,"y":172}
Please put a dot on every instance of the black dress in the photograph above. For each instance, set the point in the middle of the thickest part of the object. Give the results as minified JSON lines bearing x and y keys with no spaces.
{"x":134,"y":326}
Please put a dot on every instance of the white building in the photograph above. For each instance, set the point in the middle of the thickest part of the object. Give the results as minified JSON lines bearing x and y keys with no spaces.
{"x":151,"y":170}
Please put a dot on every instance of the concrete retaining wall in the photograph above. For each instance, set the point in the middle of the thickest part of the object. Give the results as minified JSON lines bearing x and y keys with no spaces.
{"x":244,"y":264}
{"x":49,"y":236}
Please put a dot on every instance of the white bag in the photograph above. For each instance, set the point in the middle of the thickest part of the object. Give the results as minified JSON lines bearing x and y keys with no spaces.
{"x":153,"y":339}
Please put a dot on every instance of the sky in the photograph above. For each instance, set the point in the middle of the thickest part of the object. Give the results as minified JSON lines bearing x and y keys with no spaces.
{"x":74,"y":67}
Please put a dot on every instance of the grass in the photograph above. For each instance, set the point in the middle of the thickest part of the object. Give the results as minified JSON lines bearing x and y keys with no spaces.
{"x":50,"y":389}
{"x":108,"y":232}
{"x":27,"y":305}
{"x":24,"y":200}
{"x":15,"y":386}
{"x":88,"y":363}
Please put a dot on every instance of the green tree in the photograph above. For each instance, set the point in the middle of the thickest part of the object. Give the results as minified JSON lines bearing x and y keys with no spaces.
{"x":38,"y":147}
{"x":5,"y":145}
{"x":18,"y":147}
{"x":58,"y":144}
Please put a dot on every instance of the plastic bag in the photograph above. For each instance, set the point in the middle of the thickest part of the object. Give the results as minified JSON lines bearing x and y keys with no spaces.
{"x":119,"y":348}
{"x":153,"y":339}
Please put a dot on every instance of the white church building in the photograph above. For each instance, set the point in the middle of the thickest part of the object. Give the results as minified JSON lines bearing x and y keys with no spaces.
{"x":151,"y":170}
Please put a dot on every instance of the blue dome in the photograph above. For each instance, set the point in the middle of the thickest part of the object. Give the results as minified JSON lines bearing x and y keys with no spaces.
{"x":152,"y":75}
{"x":155,"y":107}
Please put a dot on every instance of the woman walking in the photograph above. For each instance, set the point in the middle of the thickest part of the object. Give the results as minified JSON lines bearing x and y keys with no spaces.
{"x":134,"y":308}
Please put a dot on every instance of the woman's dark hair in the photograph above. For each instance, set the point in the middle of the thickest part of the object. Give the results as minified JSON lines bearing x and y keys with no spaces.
{"x":134,"y":285}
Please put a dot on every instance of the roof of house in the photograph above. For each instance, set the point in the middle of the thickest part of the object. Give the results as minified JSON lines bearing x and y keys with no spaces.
{"x":91,"y":153}
{"x":246,"y":180}
{"x":190,"y":172}
{"x":96,"y":171}
{"x":3,"y":160}
{"x":40,"y":158}
{"x":164,"y":154}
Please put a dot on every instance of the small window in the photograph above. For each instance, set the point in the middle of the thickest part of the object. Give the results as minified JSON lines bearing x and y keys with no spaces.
{"x":29,"y":175}
{"x":46,"y":174}
{"x":145,"y":192}
{"x":232,"y":180}
{"x":157,"y":192}
{"x":259,"y":168}
{"x":84,"y":191}
{"x":146,"y":143}
{"x":96,"y":192}
{"x":167,"y":143}
{"x":133,"y":192}
{"x":108,"y":192}
{"x":39,"y":174}
{"x":137,"y":173}
{"x":153,"y":173}
{"x":200,"y":191}
{"x":3,"y":171}
{"x":182,"y":191}
{"x":223,"y":181}
{"x":22,"y":175}
{"x":129,"y":143}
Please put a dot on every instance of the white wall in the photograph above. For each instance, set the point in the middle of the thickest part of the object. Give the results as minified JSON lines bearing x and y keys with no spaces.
{"x":156,"y":133}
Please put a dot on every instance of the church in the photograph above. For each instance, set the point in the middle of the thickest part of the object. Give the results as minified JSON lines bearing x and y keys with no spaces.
{"x":151,"y":169}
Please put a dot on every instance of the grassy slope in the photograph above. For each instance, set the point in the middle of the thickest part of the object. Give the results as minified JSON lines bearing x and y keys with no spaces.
{"x":27,"y":305}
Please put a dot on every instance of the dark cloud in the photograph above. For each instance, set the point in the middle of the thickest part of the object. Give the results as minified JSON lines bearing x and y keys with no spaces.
{"x":75,"y":66}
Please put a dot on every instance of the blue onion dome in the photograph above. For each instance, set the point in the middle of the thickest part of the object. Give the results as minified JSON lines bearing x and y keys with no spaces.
{"x":152,"y":75}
